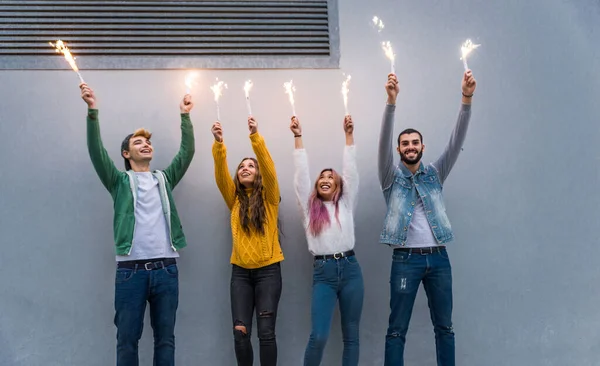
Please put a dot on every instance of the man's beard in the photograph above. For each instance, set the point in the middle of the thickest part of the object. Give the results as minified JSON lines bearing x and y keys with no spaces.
{"x":412,"y":161}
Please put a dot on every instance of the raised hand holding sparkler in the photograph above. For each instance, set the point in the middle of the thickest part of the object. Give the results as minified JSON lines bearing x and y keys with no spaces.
{"x":345,"y":91}
{"x":465,"y":50}
{"x":60,"y":46}
{"x":87,"y":94}
{"x":348,"y":125}
{"x":296,"y":129}
{"x":186,"y":104}
{"x":218,"y":91}
{"x":252,"y":125}
{"x":289,"y":90}
{"x":217,"y":131}
{"x":468,"y":85}
{"x":247,"y":87}
{"x":392,"y":88}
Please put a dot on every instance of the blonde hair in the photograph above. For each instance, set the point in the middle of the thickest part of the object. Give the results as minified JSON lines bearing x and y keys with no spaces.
{"x":125,"y":144}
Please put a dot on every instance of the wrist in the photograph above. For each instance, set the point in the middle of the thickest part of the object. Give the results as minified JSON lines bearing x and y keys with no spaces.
{"x":391,"y":101}
{"x":296,"y":135}
{"x":467,"y":95}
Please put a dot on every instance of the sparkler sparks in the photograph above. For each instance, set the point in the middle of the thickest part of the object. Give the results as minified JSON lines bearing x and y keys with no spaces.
{"x":345,"y":91}
{"x":61,"y":47}
{"x":378,"y":23}
{"x":389,"y":53}
{"x":218,"y":92}
{"x":465,"y":50}
{"x":289,"y":90}
{"x":247,"y":87}
{"x":190,"y":81}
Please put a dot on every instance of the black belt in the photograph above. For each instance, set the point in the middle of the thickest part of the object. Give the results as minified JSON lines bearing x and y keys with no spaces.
{"x":339,"y":255}
{"x":428,"y":250}
{"x":147,"y":264}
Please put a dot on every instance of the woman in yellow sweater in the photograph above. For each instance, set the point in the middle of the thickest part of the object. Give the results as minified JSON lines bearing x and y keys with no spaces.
{"x":253,"y":198}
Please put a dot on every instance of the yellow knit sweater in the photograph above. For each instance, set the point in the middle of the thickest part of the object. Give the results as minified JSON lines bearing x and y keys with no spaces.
{"x":251,"y":250}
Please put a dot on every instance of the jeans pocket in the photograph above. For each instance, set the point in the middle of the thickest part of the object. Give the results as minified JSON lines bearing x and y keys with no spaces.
{"x":172,"y":270}
{"x":352,"y":260}
{"x":401,"y":257}
{"x":444,"y":254}
{"x":318,"y":264}
{"x":123,"y":275}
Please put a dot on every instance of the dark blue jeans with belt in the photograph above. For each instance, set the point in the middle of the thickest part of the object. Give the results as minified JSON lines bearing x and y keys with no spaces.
{"x":410,"y":267}
{"x":157,"y":285}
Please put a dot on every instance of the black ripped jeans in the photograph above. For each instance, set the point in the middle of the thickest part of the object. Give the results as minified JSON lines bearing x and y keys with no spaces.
{"x":258,"y":289}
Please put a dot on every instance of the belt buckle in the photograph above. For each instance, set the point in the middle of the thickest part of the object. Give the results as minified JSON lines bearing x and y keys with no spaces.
{"x":335,"y":255}
{"x":151,"y":264}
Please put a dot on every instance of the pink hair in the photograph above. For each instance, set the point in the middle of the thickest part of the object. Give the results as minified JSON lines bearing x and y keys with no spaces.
{"x":318,"y":215}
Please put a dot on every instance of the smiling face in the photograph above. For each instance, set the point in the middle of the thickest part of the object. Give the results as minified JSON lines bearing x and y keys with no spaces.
{"x":410,"y":148}
{"x":327,"y":184}
{"x":139,"y":149}
{"x":246,"y":173}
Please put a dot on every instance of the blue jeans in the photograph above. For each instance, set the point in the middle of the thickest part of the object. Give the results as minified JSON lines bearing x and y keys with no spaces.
{"x":335,"y":279}
{"x":408,"y":270}
{"x":133,"y":288}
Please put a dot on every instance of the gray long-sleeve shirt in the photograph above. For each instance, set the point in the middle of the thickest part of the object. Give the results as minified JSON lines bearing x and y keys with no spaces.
{"x":419,"y":233}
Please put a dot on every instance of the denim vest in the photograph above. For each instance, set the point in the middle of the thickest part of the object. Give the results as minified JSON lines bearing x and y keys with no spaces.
{"x":401,"y":198}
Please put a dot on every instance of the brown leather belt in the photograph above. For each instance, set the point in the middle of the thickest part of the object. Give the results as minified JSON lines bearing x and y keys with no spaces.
{"x":427,"y":250}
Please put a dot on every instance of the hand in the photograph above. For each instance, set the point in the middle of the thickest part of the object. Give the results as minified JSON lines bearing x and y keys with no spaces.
{"x":348,"y":125}
{"x":252,"y":125}
{"x":392,"y":88}
{"x":217,"y":131}
{"x":468,"y":83}
{"x":87,"y":94}
{"x":295,"y":126}
{"x":186,"y":104}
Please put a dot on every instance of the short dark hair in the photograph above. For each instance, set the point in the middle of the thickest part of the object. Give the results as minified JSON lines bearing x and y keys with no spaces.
{"x":125,"y":143}
{"x":408,"y":131}
{"x":125,"y":147}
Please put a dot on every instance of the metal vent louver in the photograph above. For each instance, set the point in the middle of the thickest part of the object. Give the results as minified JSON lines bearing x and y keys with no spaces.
{"x":158,"y":29}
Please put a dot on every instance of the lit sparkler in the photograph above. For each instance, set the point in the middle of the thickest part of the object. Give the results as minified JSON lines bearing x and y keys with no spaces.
{"x":189,"y":81}
{"x":465,"y":50}
{"x":389,"y":53}
{"x":289,"y":90}
{"x":247,"y":87}
{"x":345,"y":91}
{"x":218,"y":91}
{"x":60,"y":46}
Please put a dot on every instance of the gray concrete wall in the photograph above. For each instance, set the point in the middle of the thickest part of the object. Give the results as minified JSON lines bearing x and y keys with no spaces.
{"x":522,"y":199}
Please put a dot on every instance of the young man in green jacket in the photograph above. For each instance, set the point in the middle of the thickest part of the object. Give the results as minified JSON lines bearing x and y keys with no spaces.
{"x":147,"y":233}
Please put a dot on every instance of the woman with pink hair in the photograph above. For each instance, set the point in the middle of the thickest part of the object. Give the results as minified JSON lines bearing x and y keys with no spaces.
{"x":327,"y":209}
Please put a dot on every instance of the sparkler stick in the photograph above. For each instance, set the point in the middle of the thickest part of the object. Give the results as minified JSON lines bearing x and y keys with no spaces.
{"x":345,"y":91}
{"x":465,"y":50}
{"x":289,"y":90}
{"x":247,"y":87}
{"x":218,"y":91}
{"x":60,"y":46}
